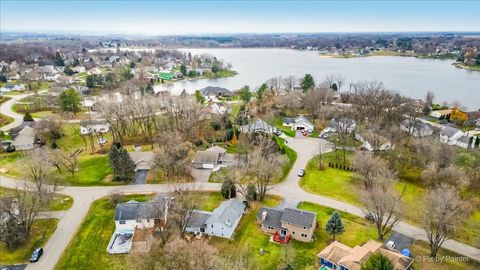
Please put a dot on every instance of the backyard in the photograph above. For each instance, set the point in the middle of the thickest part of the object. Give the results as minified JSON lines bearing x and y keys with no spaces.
{"x":344,"y":186}
{"x":56,"y":203}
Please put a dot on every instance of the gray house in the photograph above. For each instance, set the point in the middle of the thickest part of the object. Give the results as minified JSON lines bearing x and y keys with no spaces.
{"x":212,"y":92}
{"x":258,"y":126}
{"x":212,"y":157}
{"x":222,"y":222}
{"x":416,"y":128}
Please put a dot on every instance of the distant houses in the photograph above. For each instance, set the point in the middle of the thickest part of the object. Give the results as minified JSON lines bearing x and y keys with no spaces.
{"x":454,"y":136}
{"x":221,"y":222}
{"x":372,"y":141}
{"x":12,"y":87}
{"x":339,"y":125}
{"x":298,"y":123}
{"x":93,"y":127}
{"x":440,"y":113}
{"x":340,"y":256}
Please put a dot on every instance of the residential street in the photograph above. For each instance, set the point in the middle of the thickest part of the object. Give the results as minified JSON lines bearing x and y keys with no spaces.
{"x":6,"y":109}
{"x":306,"y":148}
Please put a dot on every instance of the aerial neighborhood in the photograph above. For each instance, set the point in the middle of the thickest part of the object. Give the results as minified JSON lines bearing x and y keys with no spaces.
{"x":168,"y":153}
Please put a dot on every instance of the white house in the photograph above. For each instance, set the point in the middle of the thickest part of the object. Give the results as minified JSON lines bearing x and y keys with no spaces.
{"x":298,"y":123}
{"x":374,"y":142}
{"x":132,"y":216}
{"x":416,"y":128}
{"x":222,"y":222}
{"x":440,"y":113}
{"x":51,"y":77}
{"x":213,"y":157}
{"x":450,"y":135}
{"x":213,"y":92}
{"x":258,"y":126}
{"x":94,"y":126}
{"x":25,"y":140}
{"x":12,"y":87}
{"x":339,"y":125}
{"x":79,"y":69}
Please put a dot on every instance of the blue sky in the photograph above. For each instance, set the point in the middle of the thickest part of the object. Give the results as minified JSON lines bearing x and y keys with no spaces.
{"x":199,"y":17}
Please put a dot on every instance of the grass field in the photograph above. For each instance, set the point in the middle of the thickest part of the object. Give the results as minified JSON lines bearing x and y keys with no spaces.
{"x":87,"y":250}
{"x":5,"y":120}
{"x":41,"y":231}
{"x":92,"y":170}
{"x":57,"y":203}
{"x":344,"y":186}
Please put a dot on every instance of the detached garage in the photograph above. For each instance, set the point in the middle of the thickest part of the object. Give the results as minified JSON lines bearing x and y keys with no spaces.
{"x":205,"y":160}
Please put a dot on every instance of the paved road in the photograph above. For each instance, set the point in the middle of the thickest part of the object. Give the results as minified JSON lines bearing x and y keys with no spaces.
{"x":140,"y":177}
{"x":6,"y":109}
{"x":306,"y":148}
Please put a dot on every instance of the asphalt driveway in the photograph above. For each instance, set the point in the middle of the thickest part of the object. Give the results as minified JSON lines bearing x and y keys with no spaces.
{"x":140,"y":177}
{"x":401,"y":241}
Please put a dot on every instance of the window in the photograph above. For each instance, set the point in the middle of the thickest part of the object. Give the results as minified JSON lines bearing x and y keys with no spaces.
{"x":293,"y":232}
{"x":304,"y":228}
{"x":304,"y":235}
{"x":122,"y":222}
{"x":148,"y":220}
{"x":211,"y":226}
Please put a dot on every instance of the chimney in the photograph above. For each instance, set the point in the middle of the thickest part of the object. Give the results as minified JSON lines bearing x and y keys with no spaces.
{"x":264,"y":215}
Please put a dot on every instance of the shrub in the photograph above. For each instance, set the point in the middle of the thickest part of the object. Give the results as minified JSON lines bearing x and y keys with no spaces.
{"x":228,"y":189}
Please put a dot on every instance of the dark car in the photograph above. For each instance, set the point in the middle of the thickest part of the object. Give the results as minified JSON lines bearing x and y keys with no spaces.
{"x":37,"y":253}
{"x":369,"y":217}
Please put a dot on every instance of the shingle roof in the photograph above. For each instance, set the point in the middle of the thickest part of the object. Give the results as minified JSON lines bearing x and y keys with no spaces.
{"x":198,"y":218}
{"x":449,"y":131}
{"x":227,"y":212}
{"x":464,"y":139}
{"x":206,"y":157}
{"x":217,"y":149}
{"x":258,"y":125}
{"x":299,"y":217}
{"x":133,"y":210}
{"x":273,"y":218}
{"x":213,"y":90}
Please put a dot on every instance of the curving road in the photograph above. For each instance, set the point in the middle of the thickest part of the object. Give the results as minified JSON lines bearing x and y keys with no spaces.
{"x":306,"y":148}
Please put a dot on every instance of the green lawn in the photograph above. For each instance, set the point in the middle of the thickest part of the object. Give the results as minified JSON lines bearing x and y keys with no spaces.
{"x":92,"y":170}
{"x":87,"y":250}
{"x":248,"y":234}
{"x":9,"y":161}
{"x":344,"y":186}
{"x":5,"y":120}
{"x":421,"y":250}
{"x":289,"y":153}
{"x":57,"y":203}
{"x":278,"y":123}
{"x":4,"y":99}
{"x":41,"y":231}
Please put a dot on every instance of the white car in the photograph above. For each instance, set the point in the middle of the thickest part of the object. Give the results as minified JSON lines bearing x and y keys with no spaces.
{"x":390,"y":244}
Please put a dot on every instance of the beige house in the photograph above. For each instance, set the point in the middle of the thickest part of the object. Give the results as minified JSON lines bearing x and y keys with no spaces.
{"x":25,"y":140}
{"x":286,"y":223}
{"x":342,"y":257}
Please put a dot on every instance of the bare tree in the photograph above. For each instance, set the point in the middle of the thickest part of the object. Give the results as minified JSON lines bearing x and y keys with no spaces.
{"x":435,"y":175}
{"x":275,"y":84}
{"x":444,"y":210}
{"x":50,"y":129}
{"x":70,"y":161}
{"x":115,"y":197}
{"x":289,"y":82}
{"x":370,"y":168}
{"x":383,"y":203}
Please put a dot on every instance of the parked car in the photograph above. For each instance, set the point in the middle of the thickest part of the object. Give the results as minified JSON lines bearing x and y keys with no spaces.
{"x":278,"y":132}
{"x":443,"y":121}
{"x":390,"y":244}
{"x":301,"y":172}
{"x":369,"y":217}
{"x":37,"y":253}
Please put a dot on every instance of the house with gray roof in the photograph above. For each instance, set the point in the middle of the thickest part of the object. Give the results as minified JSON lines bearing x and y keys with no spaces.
{"x":213,"y":157}
{"x":214,"y":92}
{"x":221,"y":222}
{"x":454,"y":136}
{"x":26,"y":139}
{"x":416,"y":128}
{"x":288,"y":222}
{"x":298,"y":123}
{"x":258,"y":126}
{"x":132,"y":216}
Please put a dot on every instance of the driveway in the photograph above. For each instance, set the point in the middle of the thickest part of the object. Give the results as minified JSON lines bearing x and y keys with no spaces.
{"x":306,"y":148}
{"x":14,"y":267}
{"x":401,"y":241}
{"x":201,"y":175}
{"x":6,"y":109}
{"x":140,"y":177}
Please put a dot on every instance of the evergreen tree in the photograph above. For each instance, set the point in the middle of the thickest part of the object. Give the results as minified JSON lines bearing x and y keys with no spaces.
{"x":334,"y":87}
{"x":377,"y":262}
{"x":27,"y":117}
{"x":245,"y":94}
{"x":57,"y":60}
{"x":149,"y":88}
{"x":90,"y":81}
{"x":334,"y":225}
{"x":308,"y":83}
{"x":261,"y":90}
{"x":477,"y":142}
{"x":228,"y":189}
{"x":252,"y":192}
{"x":69,"y":101}
{"x":122,"y":164}
{"x":183,"y":69}
{"x":199,"y":97}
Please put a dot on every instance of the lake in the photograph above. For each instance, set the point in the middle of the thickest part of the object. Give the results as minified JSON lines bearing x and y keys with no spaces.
{"x":410,"y":76}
